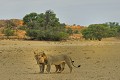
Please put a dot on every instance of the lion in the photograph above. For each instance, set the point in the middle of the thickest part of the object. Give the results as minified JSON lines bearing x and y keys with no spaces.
{"x":60,"y":60}
{"x":42,"y":62}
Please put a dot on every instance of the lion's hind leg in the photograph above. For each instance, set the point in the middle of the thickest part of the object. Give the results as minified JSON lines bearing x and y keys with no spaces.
{"x":69,"y":64}
{"x":58,"y":68}
{"x":62,"y":66}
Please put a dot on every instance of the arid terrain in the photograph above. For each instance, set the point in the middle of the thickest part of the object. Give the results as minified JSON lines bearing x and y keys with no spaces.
{"x":99,"y":60}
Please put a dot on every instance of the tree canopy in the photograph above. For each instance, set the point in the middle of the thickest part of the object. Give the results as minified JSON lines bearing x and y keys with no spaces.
{"x":99,"y":31}
{"x":44,"y":26}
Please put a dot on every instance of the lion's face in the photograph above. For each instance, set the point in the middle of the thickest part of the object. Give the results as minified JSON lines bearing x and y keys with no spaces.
{"x":40,"y":58}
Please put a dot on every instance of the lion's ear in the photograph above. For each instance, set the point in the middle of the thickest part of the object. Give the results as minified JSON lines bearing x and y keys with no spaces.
{"x":34,"y":52}
{"x":44,"y":54}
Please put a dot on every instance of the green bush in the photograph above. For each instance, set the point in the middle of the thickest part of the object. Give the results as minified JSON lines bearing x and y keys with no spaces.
{"x":47,"y":35}
{"x":76,"y":32}
{"x":22,"y":27}
{"x":69,"y":31}
{"x":8,"y":32}
{"x":59,"y":36}
{"x":95,"y":32}
{"x":32,"y":33}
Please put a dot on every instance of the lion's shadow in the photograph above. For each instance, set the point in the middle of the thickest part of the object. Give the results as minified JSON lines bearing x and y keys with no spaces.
{"x":48,"y":73}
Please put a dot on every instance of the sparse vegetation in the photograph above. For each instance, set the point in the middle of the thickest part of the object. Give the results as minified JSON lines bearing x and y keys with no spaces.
{"x":99,"y":31}
{"x":8,"y":32}
{"x":46,"y":26}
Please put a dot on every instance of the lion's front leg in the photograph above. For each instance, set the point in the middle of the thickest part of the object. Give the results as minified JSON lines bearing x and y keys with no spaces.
{"x":42,"y":67}
{"x":48,"y":68}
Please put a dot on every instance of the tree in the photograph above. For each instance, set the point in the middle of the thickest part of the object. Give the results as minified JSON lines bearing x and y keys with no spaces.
{"x":95,"y":31}
{"x":112,"y":24}
{"x":42,"y":21}
{"x":30,"y":20}
{"x":114,"y":28}
{"x":51,"y":20}
{"x":87,"y":34}
{"x":44,"y":25}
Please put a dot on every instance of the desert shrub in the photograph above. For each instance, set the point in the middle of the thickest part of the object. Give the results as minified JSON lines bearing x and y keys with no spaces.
{"x":22,"y":27}
{"x":95,"y":32}
{"x":8,"y":32}
{"x":76,"y":32}
{"x":59,"y":36}
{"x":69,"y":31}
{"x":118,"y":36}
{"x":32,"y":33}
{"x":47,"y":35}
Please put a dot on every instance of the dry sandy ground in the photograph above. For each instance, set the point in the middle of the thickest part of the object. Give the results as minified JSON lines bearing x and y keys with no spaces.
{"x":98,"y":60}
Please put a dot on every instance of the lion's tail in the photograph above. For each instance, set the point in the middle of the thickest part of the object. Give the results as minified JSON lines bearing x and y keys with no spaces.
{"x":73,"y":64}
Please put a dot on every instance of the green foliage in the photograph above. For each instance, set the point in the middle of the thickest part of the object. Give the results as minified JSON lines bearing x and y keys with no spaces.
{"x":95,"y":32}
{"x":99,"y":31}
{"x":47,"y":35}
{"x":114,"y":30}
{"x":41,"y":21}
{"x":44,"y":26}
{"x":8,"y":32}
{"x":118,"y":32}
{"x":60,"y":36}
{"x":76,"y":32}
{"x":30,"y":20}
{"x":69,"y":31}
{"x":22,"y":28}
{"x":112,"y":24}
{"x":32,"y":33}
{"x":87,"y":34}
{"x":118,"y":29}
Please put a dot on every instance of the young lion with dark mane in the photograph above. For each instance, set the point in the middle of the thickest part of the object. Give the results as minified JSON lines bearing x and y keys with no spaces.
{"x":42,"y":62}
{"x":57,"y":60}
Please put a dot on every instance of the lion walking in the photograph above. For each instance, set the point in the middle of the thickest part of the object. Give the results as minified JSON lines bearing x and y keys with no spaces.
{"x":58,"y":60}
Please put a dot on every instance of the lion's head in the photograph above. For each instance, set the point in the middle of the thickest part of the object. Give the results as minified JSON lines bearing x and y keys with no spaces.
{"x":40,"y":57}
